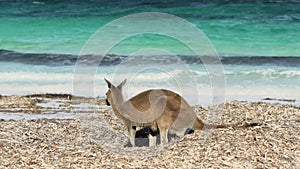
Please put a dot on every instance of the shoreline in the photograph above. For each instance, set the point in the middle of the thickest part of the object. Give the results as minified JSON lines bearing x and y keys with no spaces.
{"x":67,"y":106}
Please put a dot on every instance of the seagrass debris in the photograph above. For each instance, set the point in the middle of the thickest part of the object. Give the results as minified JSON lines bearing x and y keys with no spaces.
{"x":69,"y":143}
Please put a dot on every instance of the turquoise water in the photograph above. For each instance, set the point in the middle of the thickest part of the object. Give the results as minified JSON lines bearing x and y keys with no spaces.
{"x":237,"y":30}
{"x":243,"y":29}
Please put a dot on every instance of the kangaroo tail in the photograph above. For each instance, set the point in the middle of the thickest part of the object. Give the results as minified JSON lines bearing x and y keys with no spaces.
{"x":199,"y":125}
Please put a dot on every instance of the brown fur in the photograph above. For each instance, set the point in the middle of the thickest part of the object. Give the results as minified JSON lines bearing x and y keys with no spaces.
{"x":158,"y":110}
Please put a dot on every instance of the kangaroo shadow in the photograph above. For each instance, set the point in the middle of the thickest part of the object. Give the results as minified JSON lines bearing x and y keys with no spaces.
{"x":142,"y":137}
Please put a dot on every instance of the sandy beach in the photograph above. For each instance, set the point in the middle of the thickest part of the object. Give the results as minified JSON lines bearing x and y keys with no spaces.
{"x":31,"y":137}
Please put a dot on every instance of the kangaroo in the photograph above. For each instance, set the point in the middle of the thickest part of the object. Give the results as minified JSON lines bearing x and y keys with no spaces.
{"x":157,"y":109}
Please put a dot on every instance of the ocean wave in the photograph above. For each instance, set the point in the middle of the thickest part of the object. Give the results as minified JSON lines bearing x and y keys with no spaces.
{"x":35,"y":78}
{"x":154,"y":78}
{"x":265,"y":74}
{"x":66,"y":59}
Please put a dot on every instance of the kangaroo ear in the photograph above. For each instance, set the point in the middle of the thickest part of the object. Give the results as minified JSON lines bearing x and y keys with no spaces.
{"x":122,"y":84}
{"x":108,"y":83}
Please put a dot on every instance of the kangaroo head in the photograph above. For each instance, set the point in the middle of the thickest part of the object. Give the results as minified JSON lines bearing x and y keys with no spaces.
{"x":114,"y":94}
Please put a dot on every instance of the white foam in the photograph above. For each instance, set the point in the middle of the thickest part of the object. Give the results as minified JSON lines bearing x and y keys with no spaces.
{"x":33,"y":77}
{"x":240,"y":84}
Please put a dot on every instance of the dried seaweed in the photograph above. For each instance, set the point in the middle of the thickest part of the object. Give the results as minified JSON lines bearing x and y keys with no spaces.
{"x":53,"y":143}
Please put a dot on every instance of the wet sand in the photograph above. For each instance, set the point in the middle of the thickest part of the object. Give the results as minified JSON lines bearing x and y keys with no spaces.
{"x":88,"y":135}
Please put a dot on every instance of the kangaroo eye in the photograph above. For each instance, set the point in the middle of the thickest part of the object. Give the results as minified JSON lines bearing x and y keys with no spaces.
{"x":108,"y":92}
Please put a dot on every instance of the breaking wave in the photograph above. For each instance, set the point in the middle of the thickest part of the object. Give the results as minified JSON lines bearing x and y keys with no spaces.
{"x":67,"y":59}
